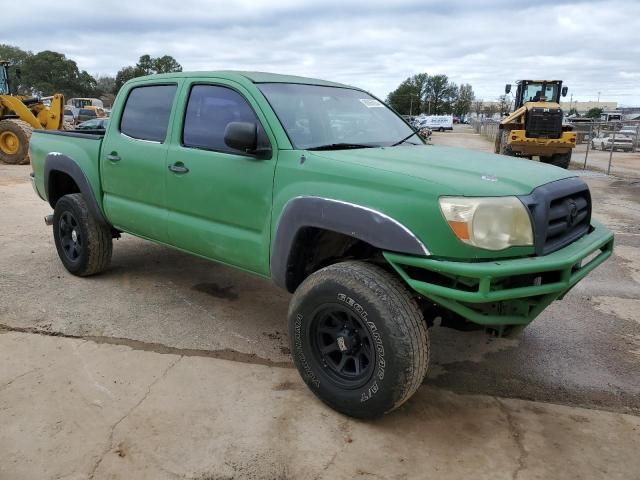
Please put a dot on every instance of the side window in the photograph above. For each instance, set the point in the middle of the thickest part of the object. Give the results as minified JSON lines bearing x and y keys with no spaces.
{"x":210,"y":109}
{"x":146,"y":113}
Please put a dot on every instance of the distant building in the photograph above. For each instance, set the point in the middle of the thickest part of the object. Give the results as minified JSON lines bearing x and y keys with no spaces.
{"x":584,"y":107}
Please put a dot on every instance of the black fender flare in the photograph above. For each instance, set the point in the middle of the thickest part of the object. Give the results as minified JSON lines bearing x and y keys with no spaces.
{"x":57,"y":162}
{"x":357,"y":221}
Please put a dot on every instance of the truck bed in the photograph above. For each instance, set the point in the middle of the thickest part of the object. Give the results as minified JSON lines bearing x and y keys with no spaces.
{"x":82,"y":147}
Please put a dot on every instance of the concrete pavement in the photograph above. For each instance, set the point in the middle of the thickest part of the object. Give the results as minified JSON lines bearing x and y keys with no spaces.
{"x":77,"y":409}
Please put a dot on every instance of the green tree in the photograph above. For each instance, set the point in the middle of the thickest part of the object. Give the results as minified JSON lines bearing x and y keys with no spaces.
{"x":48,"y":72}
{"x":594,"y":112}
{"x":147,"y":65}
{"x":166,"y":64}
{"x":124,"y":75}
{"x":16,"y":58}
{"x":464,"y":99}
{"x":105,"y":84}
{"x":439,"y":93}
{"x":407,"y":99}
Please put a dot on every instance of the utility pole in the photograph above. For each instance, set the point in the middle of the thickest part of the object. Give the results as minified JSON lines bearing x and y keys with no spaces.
{"x":598,"y":97}
{"x":571,"y":103}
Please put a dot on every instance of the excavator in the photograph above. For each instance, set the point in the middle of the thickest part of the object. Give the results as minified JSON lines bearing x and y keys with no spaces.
{"x":20,"y":115}
{"x":535,"y":128}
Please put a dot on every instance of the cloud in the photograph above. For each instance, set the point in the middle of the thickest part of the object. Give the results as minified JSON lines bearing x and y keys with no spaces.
{"x":591,"y":45}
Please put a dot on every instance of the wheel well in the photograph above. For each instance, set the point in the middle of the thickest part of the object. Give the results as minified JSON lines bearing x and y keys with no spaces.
{"x":315,"y":248}
{"x":60,"y":184}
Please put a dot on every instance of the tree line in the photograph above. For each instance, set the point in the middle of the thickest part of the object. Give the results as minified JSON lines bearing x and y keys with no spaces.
{"x":431,"y":94}
{"x":47,"y":72}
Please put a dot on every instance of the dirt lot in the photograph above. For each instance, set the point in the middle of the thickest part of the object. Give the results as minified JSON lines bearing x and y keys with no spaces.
{"x":168,"y":366}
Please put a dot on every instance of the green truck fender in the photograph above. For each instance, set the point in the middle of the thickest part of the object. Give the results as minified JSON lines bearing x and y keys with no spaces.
{"x":56,"y":186}
{"x":359,"y":222}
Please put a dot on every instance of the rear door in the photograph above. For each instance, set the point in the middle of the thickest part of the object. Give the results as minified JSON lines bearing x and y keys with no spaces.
{"x":219,"y":199}
{"x":133,"y":163}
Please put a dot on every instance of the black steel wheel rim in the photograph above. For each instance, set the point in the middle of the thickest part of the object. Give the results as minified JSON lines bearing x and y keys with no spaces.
{"x":71,"y":240}
{"x":343,"y":345}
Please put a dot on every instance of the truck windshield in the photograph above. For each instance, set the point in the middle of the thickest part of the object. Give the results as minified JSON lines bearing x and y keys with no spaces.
{"x":323,"y":117}
{"x":536,"y":92}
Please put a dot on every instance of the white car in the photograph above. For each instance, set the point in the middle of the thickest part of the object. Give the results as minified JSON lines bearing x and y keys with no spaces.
{"x":69,"y":117}
{"x":605,"y":140}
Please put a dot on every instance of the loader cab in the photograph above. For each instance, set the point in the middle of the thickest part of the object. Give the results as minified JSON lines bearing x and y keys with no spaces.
{"x":537,"y":91}
{"x":4,"y":78}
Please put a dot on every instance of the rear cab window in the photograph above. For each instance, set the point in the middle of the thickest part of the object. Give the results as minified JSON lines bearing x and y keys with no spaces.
{"x":146,"y":112}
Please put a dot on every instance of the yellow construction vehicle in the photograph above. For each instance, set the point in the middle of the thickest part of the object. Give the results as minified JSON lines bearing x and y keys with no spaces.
{"x":19,"y":116}
{"x":536,"y":128}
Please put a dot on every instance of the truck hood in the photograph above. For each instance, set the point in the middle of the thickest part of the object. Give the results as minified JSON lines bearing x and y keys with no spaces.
{"x":456,"y":170}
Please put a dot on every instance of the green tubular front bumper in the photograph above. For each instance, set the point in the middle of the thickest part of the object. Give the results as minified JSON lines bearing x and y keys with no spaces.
{"x":504,"y":292}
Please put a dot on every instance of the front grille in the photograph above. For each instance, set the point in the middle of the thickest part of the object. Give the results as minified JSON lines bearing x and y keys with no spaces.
{"x":544,"y":123}
{"x":560,"y":213}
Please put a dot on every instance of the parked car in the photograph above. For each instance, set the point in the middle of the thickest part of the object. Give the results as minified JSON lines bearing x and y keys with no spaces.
{"x":374,"y":233}
{"x":95,"y":124}
{"x":69,"y":117}
{"x":605,"y":140}
{"x":629,"y":131}
{"x":85,"y":114}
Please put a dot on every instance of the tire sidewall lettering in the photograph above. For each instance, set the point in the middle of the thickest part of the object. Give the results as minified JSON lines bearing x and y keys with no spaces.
{"x":371,"y":388}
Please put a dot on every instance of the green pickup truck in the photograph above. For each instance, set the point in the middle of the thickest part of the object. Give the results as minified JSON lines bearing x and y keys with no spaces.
{"x":325,"y":190}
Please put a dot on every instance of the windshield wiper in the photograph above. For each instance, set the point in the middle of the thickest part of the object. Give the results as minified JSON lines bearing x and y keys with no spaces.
{"x":405,"y":139}
{"x":339,"y":146}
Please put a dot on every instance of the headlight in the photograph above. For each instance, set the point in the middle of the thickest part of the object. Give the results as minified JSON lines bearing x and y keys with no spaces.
{"x":493,"y":223}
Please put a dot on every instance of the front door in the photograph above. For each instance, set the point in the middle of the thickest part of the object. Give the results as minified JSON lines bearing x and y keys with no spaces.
{"x":133,"y":162}
{"x":219,"y":199}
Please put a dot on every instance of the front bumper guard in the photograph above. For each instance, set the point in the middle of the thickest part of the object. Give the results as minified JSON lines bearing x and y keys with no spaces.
{"x":504,"y":292}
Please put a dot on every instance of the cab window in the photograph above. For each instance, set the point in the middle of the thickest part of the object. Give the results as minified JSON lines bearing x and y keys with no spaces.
{"x":209,"y":110}
{"x":147,"y":111}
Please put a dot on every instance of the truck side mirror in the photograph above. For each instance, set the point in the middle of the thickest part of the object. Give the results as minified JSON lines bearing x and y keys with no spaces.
{"x":507,"y":88}
{"x":564,"y":91}
{"x":18,"y":73}
{"x":243,"y":136}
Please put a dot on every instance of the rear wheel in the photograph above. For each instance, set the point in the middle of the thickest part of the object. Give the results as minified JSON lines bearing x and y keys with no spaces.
{"x":358,"y":339}
{"x":84,"y":245}
{"x":14,"y":141}
{"x":561,"y":160}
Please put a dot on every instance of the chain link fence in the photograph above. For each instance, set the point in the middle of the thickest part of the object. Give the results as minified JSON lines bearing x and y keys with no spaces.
{"x":609,"y":147}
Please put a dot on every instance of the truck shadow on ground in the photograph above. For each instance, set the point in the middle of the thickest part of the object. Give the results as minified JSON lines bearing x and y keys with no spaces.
{"x":157,"y":295}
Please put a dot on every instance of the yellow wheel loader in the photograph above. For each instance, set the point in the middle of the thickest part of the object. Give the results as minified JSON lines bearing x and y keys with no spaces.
{"x":19,"y":116}
{"x":536,"y":128}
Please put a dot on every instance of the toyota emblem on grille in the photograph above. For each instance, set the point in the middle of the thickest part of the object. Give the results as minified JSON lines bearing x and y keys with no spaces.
{"x":573,"y":212}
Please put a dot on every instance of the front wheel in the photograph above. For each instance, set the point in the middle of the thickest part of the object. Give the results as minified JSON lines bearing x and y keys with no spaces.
{"x":84,"y":245}
{"x":358,"y":339}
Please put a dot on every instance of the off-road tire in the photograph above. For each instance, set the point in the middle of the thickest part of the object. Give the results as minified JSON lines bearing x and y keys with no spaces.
{"x":22,"y":130}
{"x":561,"y":160}
{"x":95,"y":239}
{"x":502,"y":146}
{"x":391,"y":318}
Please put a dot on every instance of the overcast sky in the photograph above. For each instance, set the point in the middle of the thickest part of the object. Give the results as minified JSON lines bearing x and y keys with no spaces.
{"x":594,"y":46}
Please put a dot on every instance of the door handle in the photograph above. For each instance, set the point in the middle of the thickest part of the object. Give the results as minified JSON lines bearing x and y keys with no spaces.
{"x":178,"y":168}
{"x":113,"y":157}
